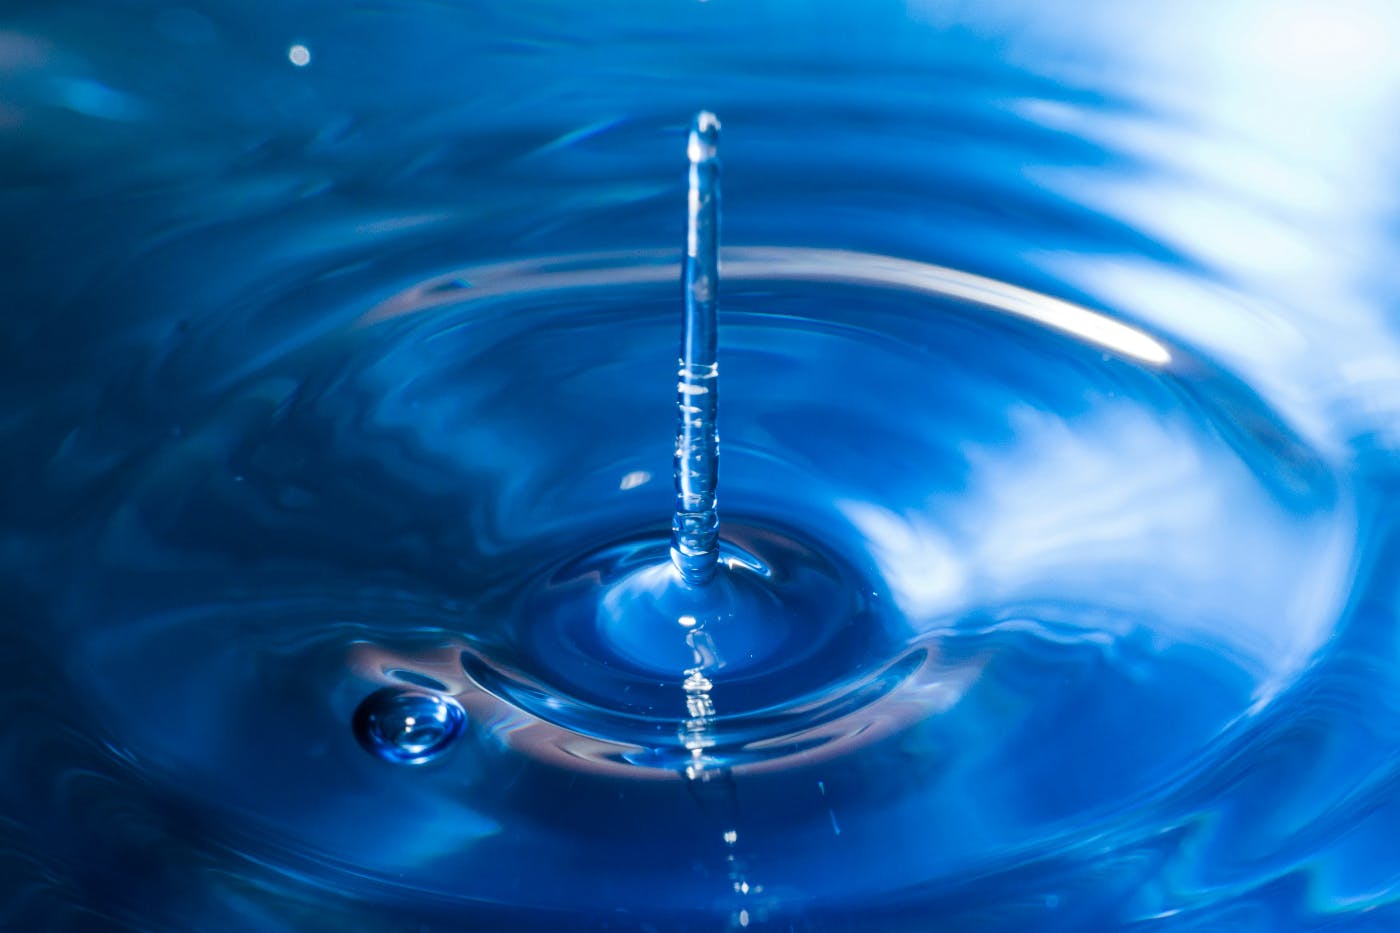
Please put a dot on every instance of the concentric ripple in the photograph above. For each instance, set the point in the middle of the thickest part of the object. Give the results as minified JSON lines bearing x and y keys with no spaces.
{"x":1076,"y":600}
{"x":977,"y":543}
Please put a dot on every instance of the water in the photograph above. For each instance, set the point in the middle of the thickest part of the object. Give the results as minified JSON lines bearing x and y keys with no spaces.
{"x":1054,"y":588}
{"x":695,"y":528}
{"x":409,"y":726}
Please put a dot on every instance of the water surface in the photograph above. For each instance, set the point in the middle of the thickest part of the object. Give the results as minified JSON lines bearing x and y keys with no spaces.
{"x":1060,"y":393}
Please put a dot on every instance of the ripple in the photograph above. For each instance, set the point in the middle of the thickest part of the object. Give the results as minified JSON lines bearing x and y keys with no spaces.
{"x":977,"y":551}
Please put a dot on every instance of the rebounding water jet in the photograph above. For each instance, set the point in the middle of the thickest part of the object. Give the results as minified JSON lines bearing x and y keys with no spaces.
{"x":695,"y":528}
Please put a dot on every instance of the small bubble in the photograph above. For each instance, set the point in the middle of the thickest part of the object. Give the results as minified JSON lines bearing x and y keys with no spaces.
{"x":408,"y":726}
{"x":299,"y":55}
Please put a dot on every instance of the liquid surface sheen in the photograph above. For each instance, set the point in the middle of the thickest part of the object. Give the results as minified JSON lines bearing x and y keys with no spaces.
{"x":1054,"y":588}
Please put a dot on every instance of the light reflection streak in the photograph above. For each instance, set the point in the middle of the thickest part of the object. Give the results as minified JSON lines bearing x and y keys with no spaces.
{"x":783,"y":263}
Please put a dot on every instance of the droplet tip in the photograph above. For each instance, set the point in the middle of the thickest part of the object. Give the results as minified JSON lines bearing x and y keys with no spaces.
{"x":704,"y":137}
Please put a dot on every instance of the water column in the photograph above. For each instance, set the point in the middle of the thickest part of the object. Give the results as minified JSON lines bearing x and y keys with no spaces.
{"x":695,"y":527}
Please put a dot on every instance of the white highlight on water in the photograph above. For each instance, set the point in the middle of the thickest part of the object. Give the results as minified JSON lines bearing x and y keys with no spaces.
{"x":779,"y":263}
{"x":634,"y":479}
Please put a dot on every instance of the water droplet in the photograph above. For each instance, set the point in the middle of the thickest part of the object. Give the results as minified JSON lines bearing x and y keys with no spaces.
{"x":299,"y":55}
{"x":408,"y":726}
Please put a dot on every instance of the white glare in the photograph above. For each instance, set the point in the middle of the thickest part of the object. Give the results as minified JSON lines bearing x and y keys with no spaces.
{"x":634,"y":479}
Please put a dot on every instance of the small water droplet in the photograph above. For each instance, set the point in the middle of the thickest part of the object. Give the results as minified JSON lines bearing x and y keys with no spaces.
{"x":299,"y":55}
{"x":408,"y":726}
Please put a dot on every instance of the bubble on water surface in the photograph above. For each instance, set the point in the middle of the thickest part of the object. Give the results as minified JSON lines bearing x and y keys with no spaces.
{"x":408,"y":726}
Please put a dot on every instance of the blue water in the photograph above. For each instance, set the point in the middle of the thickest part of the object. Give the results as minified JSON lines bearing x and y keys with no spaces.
{"x":695,"y":526}
{"x":1061,"y":387}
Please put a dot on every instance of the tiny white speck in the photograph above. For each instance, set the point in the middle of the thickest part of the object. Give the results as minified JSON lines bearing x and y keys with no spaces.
{"x":299,"y":55}
{"x":743,"y":918}
{"x":731,"y":836}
